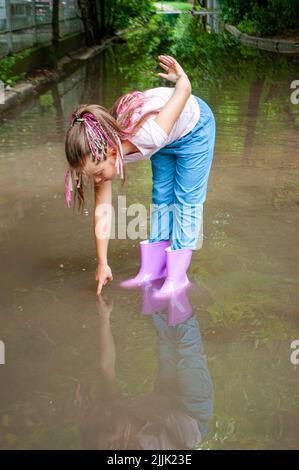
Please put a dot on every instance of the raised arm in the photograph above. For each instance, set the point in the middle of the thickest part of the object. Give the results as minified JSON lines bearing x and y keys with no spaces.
{"x":183,"y":89}
{"x":102,"y":224}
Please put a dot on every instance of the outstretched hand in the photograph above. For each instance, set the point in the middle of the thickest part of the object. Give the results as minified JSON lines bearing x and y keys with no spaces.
{"x":173,"y":68}
{"x":103,"y":276}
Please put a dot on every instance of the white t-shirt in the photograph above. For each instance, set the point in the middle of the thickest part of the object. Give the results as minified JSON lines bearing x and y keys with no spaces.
{"x":151,"y":137}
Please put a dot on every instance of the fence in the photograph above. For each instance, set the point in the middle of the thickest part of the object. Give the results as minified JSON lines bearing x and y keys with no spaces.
{"x":27,"y":23}
{"x":213,"y":20}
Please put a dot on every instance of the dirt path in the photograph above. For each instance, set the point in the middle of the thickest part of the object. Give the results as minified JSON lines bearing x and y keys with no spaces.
{"x":164,"y":7}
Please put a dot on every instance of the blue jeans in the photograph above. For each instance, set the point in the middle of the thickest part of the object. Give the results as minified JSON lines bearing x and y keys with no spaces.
{"x":180,"y":181}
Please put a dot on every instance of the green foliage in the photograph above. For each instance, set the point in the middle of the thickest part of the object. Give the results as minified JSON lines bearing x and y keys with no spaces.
{"x":248,"y":26}
{"x":220,"y":58}
{"x":216,"y":56}
{"x":207,"y":57}
{"x":144,"y":42}
{"x":276,"y":17}
{"x":267,"y":18}
{"x":126,"y":10}
{"x":233,"y":10}
{"x":150,"y":37}
{"x":46,"y":101}
{"x":7,"y":64}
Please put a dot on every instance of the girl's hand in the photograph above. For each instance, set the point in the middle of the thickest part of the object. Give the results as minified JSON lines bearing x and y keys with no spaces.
{"x":173,"y":68}
{"x":103,"y":276}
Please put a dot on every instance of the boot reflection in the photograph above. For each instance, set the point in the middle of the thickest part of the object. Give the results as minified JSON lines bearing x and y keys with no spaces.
{"x":177,"y":304}
{"x":149,"y":304}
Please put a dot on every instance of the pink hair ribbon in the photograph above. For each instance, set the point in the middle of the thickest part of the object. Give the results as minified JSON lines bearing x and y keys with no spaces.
{"x":68,"y":180}
{"x":120,"y":160}
{"x":133,"y":101}
{"x":97,"y":141}
{"x":68,"y":186}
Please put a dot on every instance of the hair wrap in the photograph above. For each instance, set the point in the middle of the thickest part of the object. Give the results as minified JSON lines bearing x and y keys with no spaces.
{"x":129,"y":110}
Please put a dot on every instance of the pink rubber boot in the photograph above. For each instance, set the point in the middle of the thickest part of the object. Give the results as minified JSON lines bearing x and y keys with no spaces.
{"x":152,"y":266}
{"x":177,"y":263}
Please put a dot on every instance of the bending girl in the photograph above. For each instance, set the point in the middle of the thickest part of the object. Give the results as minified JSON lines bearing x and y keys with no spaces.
{"x":176,"y":131}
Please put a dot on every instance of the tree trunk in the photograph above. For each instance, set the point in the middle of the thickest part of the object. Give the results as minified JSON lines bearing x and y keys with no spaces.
{"x":102,"y":17}
{"x":112,"y":9}
{"x":90,"y":20}
{"x":55,"y":33}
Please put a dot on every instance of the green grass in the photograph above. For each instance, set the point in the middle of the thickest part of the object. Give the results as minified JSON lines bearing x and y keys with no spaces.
{"x":174,"y":5}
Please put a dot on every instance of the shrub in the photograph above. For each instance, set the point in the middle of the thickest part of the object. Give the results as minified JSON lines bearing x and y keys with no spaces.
{"x":261,"y":17}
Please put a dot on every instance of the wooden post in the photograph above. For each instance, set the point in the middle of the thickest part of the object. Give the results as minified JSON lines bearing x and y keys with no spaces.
{"x":8,"y":26}
{"x":55,"y":33}
{"x":34,"y":21}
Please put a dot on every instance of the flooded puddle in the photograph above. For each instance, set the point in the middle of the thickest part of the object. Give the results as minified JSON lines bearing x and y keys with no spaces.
{"x":119,"y":373}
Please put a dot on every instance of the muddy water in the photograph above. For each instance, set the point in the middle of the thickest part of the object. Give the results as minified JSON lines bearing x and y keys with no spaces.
{"x":80,"y":373}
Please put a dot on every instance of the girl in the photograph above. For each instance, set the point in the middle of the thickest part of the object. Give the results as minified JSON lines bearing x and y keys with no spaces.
{"x":176,"y":131}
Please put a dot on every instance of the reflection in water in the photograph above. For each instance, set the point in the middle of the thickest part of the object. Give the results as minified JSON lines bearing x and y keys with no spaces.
{"x":177,"y":305}
{"x":174,"y":415}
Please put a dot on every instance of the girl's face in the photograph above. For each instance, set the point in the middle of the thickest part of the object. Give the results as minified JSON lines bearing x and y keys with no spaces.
{"x":103,"y":171}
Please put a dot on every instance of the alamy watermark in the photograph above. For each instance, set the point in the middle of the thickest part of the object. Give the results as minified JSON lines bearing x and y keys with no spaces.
{"x":294,"y":97}
{"x":2,"y":353}
{"x":2,"y":92}
{"x":294,"y":357}
{"x":182,"y":221}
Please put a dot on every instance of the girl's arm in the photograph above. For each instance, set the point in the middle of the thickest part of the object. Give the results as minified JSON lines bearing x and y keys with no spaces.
{"x":175,"y":105}
{"x":102,"y":225}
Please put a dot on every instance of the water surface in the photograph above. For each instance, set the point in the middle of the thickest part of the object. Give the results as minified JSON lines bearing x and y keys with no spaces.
{"x":77,"y":372}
